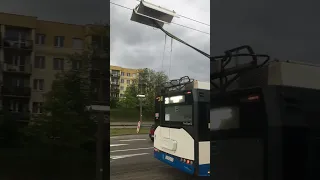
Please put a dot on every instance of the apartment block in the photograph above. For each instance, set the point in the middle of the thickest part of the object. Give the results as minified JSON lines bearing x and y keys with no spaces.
{"x":120,"y":79}
{"x":32,"y":51}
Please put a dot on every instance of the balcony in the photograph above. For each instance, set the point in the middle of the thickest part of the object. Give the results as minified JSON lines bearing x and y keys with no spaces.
{"x":115,"y":75}
{"x":116,"y":83}
{"x":95,"y":74}
{"x":16,"y":91}
{"x":22,"y":69}
{"x":114,"y":90}
{"x":16,"y":43}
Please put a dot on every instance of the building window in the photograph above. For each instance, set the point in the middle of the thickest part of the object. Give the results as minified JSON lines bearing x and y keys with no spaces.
{"x":128,"y":74}
{"x":128,"y":81}
{"x":39,"y":62}
{"x":17,"y":82}
{"x":76,"y":64}
{"x":58,"y":41}
{"x":16,"y":106}
{"x":122,"y":80}
{"x":38,"y":84}
{"x":121,"y":88}
{"x":77,"y":43}
{"x":58,"y":64}
{"x":122,"y":73}
{"x":37,"y":107}
{"x":40,"y":39}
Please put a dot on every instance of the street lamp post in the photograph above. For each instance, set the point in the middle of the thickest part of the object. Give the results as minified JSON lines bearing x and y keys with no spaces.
{"x":141,"y":96}
{"x":100,"y":107}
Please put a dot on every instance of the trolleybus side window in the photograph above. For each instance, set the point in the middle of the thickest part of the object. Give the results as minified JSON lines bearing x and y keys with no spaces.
{"x":252,"y":115}
{"x":224,"y":118}
{"x":204,"y":121}
{"x":245,"y":112}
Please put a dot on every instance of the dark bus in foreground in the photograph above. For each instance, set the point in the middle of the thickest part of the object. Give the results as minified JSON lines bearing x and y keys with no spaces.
{"x":267,"y":126}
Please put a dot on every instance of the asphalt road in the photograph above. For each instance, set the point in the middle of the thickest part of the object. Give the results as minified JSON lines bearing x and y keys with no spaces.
{"x":132,"y":159}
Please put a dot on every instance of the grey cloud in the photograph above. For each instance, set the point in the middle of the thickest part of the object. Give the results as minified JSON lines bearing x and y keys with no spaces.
{"x":132,"y":45}
{"x":284,"y":29}
{"x":139,"y":46}
{"x":68,"y":11}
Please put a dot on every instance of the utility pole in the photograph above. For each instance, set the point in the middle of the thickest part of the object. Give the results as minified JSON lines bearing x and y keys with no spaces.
{"x":140,"y":96}
{"x":140,"y":102}
{"x":100,"y":134}
{"x":140,"y":110}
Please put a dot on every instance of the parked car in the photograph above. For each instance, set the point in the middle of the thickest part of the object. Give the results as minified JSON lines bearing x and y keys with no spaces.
{"x":151,"y":132}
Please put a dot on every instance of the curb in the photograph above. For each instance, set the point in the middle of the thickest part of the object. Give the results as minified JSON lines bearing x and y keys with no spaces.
{"x":129,"y":136}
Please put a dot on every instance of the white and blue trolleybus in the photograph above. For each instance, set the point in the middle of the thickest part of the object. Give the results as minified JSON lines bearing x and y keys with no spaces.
{"x":182,"y":138}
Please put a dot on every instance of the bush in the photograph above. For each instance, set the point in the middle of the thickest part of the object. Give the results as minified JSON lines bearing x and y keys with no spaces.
{"x":128,"y":115}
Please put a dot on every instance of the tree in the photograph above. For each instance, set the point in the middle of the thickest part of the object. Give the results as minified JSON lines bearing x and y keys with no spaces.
{"x":9,"y":131}
{"x":145,"y":83}
{"x":65,"y":120}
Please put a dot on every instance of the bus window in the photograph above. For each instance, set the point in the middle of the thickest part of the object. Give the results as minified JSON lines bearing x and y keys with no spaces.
{"x":224,"y":118}
{"x":179,"y":113}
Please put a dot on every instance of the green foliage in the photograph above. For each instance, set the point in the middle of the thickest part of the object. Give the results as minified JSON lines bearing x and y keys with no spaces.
{"x":129,"y":115}
{"x":113,"y":102}
{"x":146,"y":83}
{"x":65,"y":121}
{"x":9,"y":131}
{"x":130,"y":100}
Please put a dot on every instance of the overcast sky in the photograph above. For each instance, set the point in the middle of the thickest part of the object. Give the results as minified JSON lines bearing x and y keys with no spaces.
{"x":284,"y":29}
{"x":134,"y":45}
{"x":287,"y":29}
{"x":138,"y":46}
{"x":69,"y":11}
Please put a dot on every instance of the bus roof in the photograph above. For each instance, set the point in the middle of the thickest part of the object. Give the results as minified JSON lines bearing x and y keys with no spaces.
{"x":294,"y":74}
{"x":198,"y":85}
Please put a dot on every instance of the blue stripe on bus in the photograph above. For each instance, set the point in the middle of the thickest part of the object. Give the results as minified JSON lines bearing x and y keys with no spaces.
{"x":204,"y":169}
{"x":176,"y":162}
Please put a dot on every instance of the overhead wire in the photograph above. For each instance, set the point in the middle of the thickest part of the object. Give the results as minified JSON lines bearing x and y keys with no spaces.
{"x":184,"y":26}
{"x":193,"y":20}
{"x":164,"y":50}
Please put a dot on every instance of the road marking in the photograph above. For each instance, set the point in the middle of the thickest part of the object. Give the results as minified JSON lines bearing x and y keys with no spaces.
{"x":128,"y":140}
{"x":127,"y":156}
{"x":115,"y":145}
{"x":124,"y":150}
